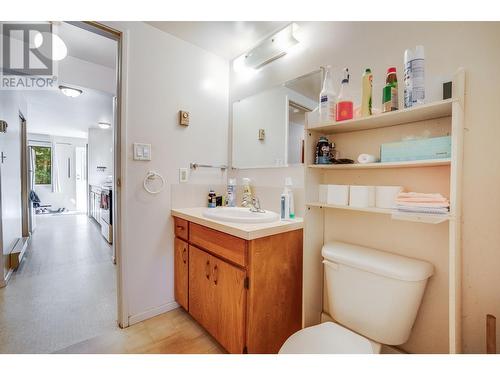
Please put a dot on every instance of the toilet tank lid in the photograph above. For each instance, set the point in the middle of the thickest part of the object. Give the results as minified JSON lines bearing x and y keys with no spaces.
{"x":377,"y":261}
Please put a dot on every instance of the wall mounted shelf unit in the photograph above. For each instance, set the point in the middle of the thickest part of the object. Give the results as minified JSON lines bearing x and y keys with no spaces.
{"x":438,"y":325}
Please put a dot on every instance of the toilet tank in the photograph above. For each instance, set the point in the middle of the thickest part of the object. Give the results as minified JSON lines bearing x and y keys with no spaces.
{"x":374,"y":293}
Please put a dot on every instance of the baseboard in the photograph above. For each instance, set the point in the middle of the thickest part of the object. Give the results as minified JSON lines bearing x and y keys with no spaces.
{"x":133,"y":319}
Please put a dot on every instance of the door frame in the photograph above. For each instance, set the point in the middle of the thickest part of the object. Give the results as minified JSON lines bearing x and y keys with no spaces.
{"x":119,"y":204}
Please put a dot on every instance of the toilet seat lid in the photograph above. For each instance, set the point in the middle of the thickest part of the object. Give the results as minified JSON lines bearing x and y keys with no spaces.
{"x":327,"y":338}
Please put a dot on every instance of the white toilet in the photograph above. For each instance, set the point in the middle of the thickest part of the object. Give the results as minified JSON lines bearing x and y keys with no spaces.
{"x":374,"y":297}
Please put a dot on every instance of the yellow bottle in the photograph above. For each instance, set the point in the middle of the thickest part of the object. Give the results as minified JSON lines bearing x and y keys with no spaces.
{"x":366,"y":96}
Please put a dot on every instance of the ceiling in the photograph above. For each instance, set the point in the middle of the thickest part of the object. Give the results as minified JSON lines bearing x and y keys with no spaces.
{"x":227,"y":39}
{"x":51,"y":112}
{"x":85,"y":45}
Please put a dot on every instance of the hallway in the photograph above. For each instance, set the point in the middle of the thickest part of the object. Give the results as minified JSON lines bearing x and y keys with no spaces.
{"x":63,"y":292}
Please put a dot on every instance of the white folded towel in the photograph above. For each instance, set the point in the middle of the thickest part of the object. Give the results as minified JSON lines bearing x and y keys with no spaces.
{"x":367,"y":158}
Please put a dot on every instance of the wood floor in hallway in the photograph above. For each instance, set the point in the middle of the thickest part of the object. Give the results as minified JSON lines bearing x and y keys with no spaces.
{"x":174,"y":332}
{"x":64,"y":291}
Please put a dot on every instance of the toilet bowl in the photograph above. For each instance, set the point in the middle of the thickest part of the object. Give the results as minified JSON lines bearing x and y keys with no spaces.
{"x":328,"y":338}
{"x":372,"y":295}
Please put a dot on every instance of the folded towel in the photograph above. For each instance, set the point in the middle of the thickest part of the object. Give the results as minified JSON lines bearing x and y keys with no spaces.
{"x":422,"y":200}
{"x":420,"y":195}
{"x":423,"y":210}
{"x":423,"y":204}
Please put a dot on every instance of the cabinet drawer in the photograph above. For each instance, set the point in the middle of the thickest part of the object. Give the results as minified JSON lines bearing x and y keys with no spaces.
{"x":221,"y":244}
{"x":181,"y":228}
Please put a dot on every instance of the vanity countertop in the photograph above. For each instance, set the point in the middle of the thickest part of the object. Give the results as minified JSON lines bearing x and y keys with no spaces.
{"x":241,"y":230}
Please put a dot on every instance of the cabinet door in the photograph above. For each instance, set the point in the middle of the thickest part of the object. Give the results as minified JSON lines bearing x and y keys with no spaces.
{"x":181,"y":259}
{"x":217,"y":298}
{"x":230,"y":305}
{"x":201,"y":291}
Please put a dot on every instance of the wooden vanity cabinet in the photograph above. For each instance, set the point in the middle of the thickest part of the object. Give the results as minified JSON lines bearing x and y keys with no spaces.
{"x":246,"y":293}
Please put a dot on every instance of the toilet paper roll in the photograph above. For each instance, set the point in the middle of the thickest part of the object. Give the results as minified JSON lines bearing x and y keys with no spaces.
{"x":362,"y":196}
{"x":385,"y":196}
{"x":367,"y":158}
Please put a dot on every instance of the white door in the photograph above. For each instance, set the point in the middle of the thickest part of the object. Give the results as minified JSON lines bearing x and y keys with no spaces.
{"x":81,"y":178}
{"x":65,"y":156}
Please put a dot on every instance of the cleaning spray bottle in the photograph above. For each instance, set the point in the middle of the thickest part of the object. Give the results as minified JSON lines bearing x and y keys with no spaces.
{"x":344,"y":109}
{"x":327,"y":98}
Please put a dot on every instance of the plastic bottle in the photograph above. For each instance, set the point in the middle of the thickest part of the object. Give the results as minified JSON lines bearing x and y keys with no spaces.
{"x":212,"y":199}
{"x":390,"y":93}
{"x":231,"y":187}
{"x":247,"y":191}
{"x":327,"y":98}
{"x":291,"y":203}
{"x":285,"y":204}
{"x":344,"y":110}
{"x":408,"y":79}
{"x":366,"y":98}
{"x":418,"y":76}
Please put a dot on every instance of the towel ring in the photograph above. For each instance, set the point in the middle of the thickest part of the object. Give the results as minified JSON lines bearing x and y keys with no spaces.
{"x":151,"y":175}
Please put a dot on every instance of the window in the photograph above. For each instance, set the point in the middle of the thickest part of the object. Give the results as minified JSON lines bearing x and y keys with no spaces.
{"x":43,"y":165}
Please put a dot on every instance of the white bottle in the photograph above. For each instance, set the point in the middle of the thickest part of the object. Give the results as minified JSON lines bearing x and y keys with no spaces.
{"x":231,"y":194}
{"x":327,"y":98}
{"x":418,"y":76}
{"x":407,"y":79}
{"x":291,"y":205}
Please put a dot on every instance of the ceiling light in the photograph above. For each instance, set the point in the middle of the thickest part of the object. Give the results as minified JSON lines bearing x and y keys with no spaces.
{"x":104,"y":125}
{"x":69,"y":91}
{"x":270,"y":49}
{"x":59,"y":49}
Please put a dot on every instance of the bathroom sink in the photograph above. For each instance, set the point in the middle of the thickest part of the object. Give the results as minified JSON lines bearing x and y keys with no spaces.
{"x":240,"y":215}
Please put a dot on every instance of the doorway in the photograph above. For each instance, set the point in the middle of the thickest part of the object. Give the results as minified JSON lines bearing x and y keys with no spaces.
{"x":71,"y":261}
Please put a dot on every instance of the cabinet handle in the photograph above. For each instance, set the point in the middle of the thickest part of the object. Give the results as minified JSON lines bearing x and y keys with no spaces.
{"x":184,"y":255}
{"x":180,"y":227}
{"x":216,"y":274}
{"x":207,"y":270}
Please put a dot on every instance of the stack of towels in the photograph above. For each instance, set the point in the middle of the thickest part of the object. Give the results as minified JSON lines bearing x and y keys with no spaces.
{"x":422,"y":203}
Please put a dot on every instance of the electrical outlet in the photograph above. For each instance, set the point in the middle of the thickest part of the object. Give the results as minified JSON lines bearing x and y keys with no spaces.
{"x":183,"y":175}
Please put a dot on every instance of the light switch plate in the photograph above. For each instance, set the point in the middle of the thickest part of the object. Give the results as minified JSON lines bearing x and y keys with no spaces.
{"x":183,"y":175}
{"x":142,"y":151}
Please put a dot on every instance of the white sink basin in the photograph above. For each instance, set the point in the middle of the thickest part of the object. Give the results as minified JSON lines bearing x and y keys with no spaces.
{"x":240,"y":215}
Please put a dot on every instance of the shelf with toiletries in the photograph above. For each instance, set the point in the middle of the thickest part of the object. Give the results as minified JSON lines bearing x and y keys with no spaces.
{"x":397,"y":164}
{"x":437,"y":129}
{"x":423,"y":112}
{"x":406,"y":216}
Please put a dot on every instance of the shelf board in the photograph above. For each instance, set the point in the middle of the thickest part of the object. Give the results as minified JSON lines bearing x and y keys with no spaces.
{"x":403,"y":116}
{"x":397,"y":164}
{"x":405,"y":216}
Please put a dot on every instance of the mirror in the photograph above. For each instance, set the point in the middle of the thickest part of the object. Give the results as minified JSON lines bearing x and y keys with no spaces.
{"x":268,"y":127}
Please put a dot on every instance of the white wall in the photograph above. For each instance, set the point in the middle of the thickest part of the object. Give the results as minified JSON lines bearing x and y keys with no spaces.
{"x":10,"y":176}
{"x":162,"y":75}
{"x":100,"y":151}
{"x":472,"y":45}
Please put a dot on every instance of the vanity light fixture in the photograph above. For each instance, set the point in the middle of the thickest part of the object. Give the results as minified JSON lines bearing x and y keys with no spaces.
{"x":70,"y":91}
{"x":270,"y":49}
{"x":104,"y":125}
